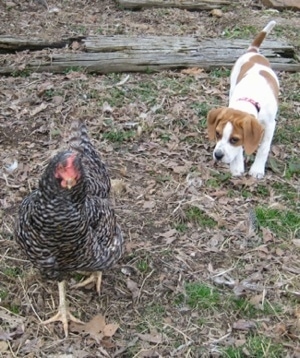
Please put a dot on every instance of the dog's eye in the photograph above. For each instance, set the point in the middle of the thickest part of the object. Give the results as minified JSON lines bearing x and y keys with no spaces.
{"x":234,"y":140}
{"x":218,"y":135}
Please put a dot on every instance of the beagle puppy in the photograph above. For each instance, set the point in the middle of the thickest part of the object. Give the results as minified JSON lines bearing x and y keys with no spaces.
{"x":249,"y":120}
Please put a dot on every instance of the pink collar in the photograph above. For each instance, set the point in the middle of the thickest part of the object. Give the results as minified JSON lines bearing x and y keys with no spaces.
{"x":250,"y":100}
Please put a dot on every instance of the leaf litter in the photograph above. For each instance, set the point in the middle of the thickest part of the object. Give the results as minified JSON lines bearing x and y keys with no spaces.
{"x":161,"y":173}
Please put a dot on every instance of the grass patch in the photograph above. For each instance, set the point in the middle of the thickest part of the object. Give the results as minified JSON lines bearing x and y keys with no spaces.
{"x":142,"y":266}
{"x":240,"y":32}
{"x":181,"y":227}
{"x":12,"y":272}
{"x":194,"y":214}
{"x":220,"y":73}
{"x":256,"y":346}
{"x":281,"y":223}
{"x":246,"y":309}
{"x":293,"y":168}
{"x":118,"y":136}
{"x":3,"y":294}
{"x":199,"y":295}
{"x":287,"y":192}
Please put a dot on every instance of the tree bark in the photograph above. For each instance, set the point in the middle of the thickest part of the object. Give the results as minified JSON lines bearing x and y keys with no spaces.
{"x":105,"y":54}
{"x":181,"y":4}
{"x":11,"y":44}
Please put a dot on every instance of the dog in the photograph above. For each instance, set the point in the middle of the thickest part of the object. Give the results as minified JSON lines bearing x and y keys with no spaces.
{"x":249,"y":120}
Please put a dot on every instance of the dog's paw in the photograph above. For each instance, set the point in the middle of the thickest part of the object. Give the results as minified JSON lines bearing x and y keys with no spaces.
{"x":237,"y":172}
{"x":257,"y":173}
{"x":237,"y":168}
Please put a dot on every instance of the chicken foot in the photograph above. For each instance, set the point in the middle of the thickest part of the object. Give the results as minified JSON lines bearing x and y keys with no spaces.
{"x":63,"y":315}
{"x":96,"y":277}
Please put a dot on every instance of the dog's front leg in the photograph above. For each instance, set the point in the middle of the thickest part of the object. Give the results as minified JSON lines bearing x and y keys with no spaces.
{"x":237,"y":165}
{"x":257,"y":169}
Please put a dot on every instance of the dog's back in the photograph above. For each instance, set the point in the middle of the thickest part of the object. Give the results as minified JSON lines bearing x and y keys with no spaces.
{"x":251,"y":57}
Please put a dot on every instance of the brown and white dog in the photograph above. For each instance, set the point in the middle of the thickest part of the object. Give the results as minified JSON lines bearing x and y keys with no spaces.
{"x":249,"y":120}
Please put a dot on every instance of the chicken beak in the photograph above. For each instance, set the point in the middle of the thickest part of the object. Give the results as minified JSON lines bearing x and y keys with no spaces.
{"x":70,"y":183}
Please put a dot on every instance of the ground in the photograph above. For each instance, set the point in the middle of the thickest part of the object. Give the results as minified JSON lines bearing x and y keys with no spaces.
{"x":212,"y":263}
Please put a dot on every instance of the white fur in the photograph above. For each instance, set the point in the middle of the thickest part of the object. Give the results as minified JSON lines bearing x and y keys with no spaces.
{"x":256,"y":87}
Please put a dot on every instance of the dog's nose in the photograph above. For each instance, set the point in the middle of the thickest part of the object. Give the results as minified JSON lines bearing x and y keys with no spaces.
{"x":218,"y":154}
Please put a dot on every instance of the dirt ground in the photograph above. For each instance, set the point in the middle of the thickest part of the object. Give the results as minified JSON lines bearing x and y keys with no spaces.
{"x":212,"y":263}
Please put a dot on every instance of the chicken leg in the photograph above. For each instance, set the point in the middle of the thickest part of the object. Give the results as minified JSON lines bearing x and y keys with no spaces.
{"x":95,"y":277}
{"x":63,"y":315}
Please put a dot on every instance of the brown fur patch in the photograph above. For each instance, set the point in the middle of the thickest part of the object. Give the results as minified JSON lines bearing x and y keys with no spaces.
{"x":256,"y":59}
{"x":272,"y":82}
{"x":244,"y":69}
{"x":258,"y":39}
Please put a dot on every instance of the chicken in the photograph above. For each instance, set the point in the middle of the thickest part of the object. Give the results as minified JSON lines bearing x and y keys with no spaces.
{"x":67,"y":223}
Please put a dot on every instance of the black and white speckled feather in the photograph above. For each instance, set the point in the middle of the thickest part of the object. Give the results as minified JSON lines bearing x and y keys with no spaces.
{"x":62,"y":230}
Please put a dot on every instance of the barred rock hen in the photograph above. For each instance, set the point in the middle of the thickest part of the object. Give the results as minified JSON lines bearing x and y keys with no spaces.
{"x":67,"y":224}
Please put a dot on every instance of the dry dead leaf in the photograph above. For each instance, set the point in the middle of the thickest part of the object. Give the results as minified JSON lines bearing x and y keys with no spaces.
{"x":296,"y":242}
{"x":3,"y":346}
{"x":96,"y":328}
{"x":179,"y":169}
{"x":106,"y":108}
{"x":46,"y":86}
{"x":194,"y":71}
{"x":152,"y":338}
{"x":267,"y":235}
{"x":118,"y":186}
{"x":149,"y":204}
{"x":216,"y":13}
{"x":257,"y":299}
{"x":133,"y":288}
{"x":244,"y":325}
{"x":38,"y":109}
{"x":110,"y":329}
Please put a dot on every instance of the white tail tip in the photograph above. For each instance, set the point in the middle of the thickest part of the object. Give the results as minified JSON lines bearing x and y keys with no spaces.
{"x":269,"y":27}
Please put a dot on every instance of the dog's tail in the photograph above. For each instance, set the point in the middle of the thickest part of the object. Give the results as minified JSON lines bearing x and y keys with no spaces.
{"x":254,"y":47}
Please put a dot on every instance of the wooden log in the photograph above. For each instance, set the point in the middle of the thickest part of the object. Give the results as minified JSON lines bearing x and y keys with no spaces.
{"x":182,"y":44}
{"x":192,"y":5}
{"x":282,"y":4}
{"x":12,"y":44}
{"x":107,"y":54}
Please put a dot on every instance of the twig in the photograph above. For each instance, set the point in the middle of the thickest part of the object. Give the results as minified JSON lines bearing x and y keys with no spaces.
{"x":143,"y":283}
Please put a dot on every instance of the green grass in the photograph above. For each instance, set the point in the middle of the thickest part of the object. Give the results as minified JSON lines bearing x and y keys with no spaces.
{"x":246,"y":309}
{"x":240,"y":32}
{"x":199,"y":295}
{"x":283,"y":223}
{"x":286,"y":192}
{"x":12,"y":272}
{"x":293,"y":168}
{"x":220,"y":73}
{"x":118,"y":136}
{"x":142,"y":266}
{"x":181,"y":227}
{"x":194,"y":214}
{"x":3,"y":294}
{"x":14,"y":309}
{"x":201,"y":109}
{"x":257,"y":346}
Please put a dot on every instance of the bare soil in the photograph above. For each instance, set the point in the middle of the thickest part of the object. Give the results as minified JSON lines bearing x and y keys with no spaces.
{"x":186,"y":222}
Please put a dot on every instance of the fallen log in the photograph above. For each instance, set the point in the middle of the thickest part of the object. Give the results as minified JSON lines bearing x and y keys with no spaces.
{"x":11,"y":44}
{"x":192,"y":5}
{"x":105,"y":54}
{"x":282,"y":4}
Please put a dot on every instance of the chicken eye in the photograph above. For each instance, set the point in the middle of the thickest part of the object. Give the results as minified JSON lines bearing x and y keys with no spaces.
{"x":234,"y":140}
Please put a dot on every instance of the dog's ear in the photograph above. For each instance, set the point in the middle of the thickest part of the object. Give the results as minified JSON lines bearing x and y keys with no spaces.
{"x":213,"y":118}
{"x":253,"y":132}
